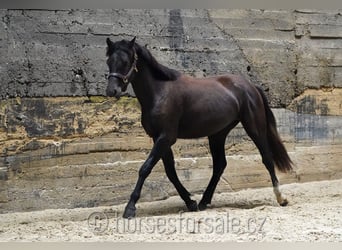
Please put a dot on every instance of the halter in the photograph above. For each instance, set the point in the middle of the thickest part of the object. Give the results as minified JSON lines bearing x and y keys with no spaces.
{"x":125,"y":78}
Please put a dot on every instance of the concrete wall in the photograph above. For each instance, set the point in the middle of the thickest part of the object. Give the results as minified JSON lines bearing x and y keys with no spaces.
{"x":62,"y":145}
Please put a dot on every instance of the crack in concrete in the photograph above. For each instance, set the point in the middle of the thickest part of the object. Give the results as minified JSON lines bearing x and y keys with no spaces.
{"x":252,"y":73}
{"x":226,"y":181}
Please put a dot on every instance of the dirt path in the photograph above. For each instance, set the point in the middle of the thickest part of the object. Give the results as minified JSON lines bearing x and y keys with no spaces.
{"x":314,"y":214}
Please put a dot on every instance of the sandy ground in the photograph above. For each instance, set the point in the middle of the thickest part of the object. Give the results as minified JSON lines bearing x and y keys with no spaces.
{"x":314,"y":214}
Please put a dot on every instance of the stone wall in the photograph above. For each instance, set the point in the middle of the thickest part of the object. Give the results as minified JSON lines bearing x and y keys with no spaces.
{"x":62,"y":145}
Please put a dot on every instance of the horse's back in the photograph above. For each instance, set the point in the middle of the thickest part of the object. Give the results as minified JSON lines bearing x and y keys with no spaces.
{"x":229,"y":81}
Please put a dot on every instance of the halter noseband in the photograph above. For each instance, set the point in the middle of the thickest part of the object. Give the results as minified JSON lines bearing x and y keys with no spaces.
{"x":125,"y":78}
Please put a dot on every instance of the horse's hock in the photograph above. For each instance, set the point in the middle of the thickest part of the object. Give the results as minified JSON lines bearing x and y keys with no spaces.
{"x":64,"y":146}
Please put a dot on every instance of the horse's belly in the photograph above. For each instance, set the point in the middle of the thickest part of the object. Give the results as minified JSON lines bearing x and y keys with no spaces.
{"x":203,"y":126}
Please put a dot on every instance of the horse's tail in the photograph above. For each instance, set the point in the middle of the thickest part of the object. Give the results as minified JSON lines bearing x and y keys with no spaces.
{"x":279,"y":153}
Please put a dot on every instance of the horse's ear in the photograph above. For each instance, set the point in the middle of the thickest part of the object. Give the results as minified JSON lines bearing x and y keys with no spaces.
{"x":131,"y":43}
{"x":110,"y":47}
{"x":109,"y":42}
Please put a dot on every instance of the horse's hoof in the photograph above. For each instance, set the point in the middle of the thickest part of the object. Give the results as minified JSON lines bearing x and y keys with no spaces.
{"x":284,"y":203}
{"x":192,"y":206}
{"x":202,"y":206}
{"x":129,"y":213}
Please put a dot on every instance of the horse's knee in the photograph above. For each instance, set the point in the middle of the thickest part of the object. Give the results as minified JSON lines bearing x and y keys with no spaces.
{"x":219,"y":169}
{"x":145,"y":169}
{"x":222,"y":168}
{"x":143,"y":173}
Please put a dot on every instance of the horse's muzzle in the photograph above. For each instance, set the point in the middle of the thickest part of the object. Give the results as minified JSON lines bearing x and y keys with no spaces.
{"x":111,"y":93}
{"x":113,"y":90}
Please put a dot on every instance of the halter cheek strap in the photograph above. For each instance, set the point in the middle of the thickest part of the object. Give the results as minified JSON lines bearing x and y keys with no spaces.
{"x":125,"y":78}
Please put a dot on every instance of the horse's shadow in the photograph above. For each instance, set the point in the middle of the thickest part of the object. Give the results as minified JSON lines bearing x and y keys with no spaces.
{"x":174,"y":206}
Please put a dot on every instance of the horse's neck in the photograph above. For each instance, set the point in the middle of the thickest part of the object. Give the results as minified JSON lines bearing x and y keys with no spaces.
{"x":143,"y":88}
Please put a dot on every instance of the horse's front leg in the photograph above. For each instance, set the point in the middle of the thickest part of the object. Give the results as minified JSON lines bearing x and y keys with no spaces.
{"x":161,"y":145}
{"x":169,"y":165}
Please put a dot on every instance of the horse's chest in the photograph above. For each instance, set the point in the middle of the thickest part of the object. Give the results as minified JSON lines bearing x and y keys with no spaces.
{"x":156,"y":122}
{"x":148,"y":123}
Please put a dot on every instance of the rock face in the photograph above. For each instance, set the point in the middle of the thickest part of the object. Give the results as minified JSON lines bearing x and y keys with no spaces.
{"x":62,"y":145}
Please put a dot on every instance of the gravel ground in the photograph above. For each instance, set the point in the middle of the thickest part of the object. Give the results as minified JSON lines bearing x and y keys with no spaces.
{"x":314,"y":214}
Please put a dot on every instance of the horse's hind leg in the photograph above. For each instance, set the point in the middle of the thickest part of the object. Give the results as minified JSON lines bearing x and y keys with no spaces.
{"x":169,"y":165}
{"x":268,"y":162}
{"x":257,"y":132}
{"x":216,"y":144}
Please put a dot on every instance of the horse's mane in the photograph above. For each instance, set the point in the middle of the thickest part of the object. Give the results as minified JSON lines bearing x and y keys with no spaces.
{"x":159,"y":71}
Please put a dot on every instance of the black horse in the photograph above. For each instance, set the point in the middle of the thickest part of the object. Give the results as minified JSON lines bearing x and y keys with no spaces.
{"x":175,"y":106}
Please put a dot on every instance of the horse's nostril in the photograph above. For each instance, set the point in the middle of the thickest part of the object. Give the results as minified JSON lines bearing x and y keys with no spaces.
{"x":111,"y":92}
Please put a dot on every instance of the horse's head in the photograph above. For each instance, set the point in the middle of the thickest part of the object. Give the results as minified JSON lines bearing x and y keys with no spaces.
{"x":122,"y":60}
